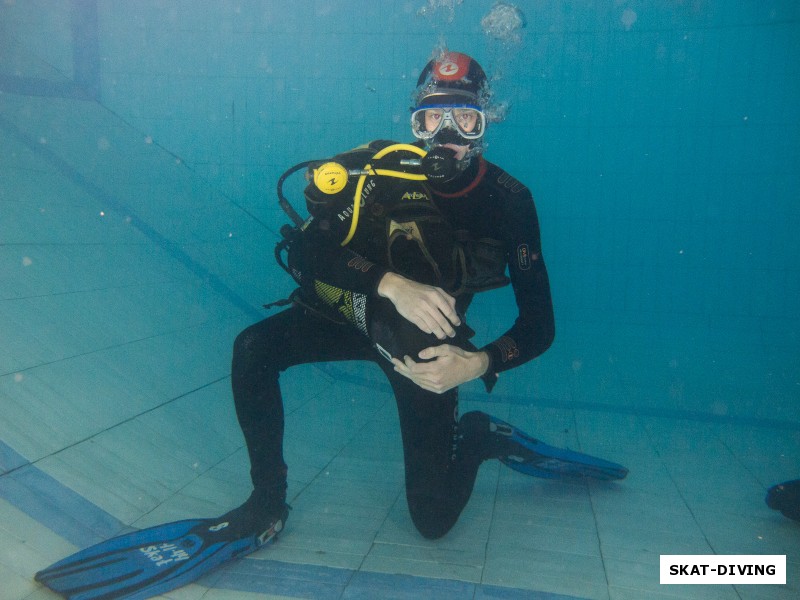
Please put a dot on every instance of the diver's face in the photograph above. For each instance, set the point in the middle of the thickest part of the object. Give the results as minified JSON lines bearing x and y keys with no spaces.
{"x":466,"y":119}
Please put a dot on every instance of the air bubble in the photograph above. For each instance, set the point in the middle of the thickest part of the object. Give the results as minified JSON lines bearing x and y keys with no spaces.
{"x":504,"y":22}
{"x":433,"y":6}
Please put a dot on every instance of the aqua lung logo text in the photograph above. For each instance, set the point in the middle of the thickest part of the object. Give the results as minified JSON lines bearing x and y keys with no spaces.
{"x":369,"y":185}
{"x":346,"y":213}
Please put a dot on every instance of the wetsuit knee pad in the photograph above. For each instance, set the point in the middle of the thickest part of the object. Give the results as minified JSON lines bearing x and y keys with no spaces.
{"x":435,"y":500}
{"x":266,"y":345}
{"x":248,"y":344}
{"x":433,"y":516}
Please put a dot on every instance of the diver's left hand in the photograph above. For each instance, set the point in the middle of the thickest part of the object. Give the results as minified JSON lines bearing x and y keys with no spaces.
{"x":451,"y":366}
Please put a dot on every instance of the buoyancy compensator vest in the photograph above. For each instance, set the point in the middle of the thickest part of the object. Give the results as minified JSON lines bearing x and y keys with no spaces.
{"x":375,"y":201}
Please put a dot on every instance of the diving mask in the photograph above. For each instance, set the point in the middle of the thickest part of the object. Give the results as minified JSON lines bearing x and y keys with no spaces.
{"x":468,"y":121}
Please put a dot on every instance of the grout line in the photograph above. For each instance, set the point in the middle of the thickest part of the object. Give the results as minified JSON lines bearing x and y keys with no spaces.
{"x":114,"y":347}
{"x":94,"y":191}
{"x":116,"y":425}
{"x":588,"y":487}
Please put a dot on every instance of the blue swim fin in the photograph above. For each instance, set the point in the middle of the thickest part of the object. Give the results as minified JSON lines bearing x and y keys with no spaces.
{"x":533,"y":457}
{"x":151,"y":561}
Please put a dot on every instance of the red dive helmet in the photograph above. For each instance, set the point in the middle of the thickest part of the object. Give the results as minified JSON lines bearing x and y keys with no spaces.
{"x":453,"y":79}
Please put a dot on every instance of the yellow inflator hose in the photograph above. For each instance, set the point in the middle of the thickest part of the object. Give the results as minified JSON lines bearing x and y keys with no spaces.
{"x":368,"y":171}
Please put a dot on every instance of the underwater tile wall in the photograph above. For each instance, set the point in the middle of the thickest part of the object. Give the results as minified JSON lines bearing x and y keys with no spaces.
{"x":661,"y":140}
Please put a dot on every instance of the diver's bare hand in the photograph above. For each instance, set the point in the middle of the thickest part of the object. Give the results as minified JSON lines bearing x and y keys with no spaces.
{"x":430,"y":308}
{"x":449,"y":367}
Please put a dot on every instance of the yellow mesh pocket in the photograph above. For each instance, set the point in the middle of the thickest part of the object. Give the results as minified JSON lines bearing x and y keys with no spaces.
{"x":337,"y":298}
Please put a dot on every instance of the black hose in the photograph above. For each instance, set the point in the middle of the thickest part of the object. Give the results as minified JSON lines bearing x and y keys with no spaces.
{"x":285,"y":204}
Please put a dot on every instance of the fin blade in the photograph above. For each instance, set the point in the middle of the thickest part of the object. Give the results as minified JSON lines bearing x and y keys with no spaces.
{"x":550,"y":462}
{"x":145,"y":563}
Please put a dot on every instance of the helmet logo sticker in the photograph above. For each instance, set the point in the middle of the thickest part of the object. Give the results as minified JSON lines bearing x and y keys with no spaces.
{"x":452,"y":67}
{"x":448,"y":69}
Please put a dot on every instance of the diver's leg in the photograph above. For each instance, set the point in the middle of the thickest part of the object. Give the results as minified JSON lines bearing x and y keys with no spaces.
{"x":442,"y":454}
{"x":261,"y":352}
{"x":428,"y":429}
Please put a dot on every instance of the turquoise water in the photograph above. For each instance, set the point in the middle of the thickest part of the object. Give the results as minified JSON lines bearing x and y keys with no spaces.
{"x":141,"y":143}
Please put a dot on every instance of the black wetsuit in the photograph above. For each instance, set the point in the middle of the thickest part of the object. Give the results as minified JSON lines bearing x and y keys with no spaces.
{"x":442,"y":452}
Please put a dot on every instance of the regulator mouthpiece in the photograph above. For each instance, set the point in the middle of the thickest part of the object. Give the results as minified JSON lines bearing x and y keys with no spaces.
{"x":440,"y":164}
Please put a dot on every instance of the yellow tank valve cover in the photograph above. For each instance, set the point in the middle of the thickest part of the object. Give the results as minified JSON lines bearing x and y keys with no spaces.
{"x":330,"y":178}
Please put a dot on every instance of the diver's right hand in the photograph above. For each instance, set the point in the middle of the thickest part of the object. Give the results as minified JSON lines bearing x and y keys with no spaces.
{"x":430,"y":308}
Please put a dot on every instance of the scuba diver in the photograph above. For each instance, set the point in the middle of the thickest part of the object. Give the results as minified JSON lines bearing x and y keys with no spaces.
{"x":388,"y":265}
{"x":399,"y":239}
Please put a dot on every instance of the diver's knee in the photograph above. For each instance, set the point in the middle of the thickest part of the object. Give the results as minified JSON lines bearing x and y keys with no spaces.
{"x":256,"y":338}
{"x":244,"y":341}
{"x":431,"y":529}
{"x":430,"y":518}
{"x":256,"y":347}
